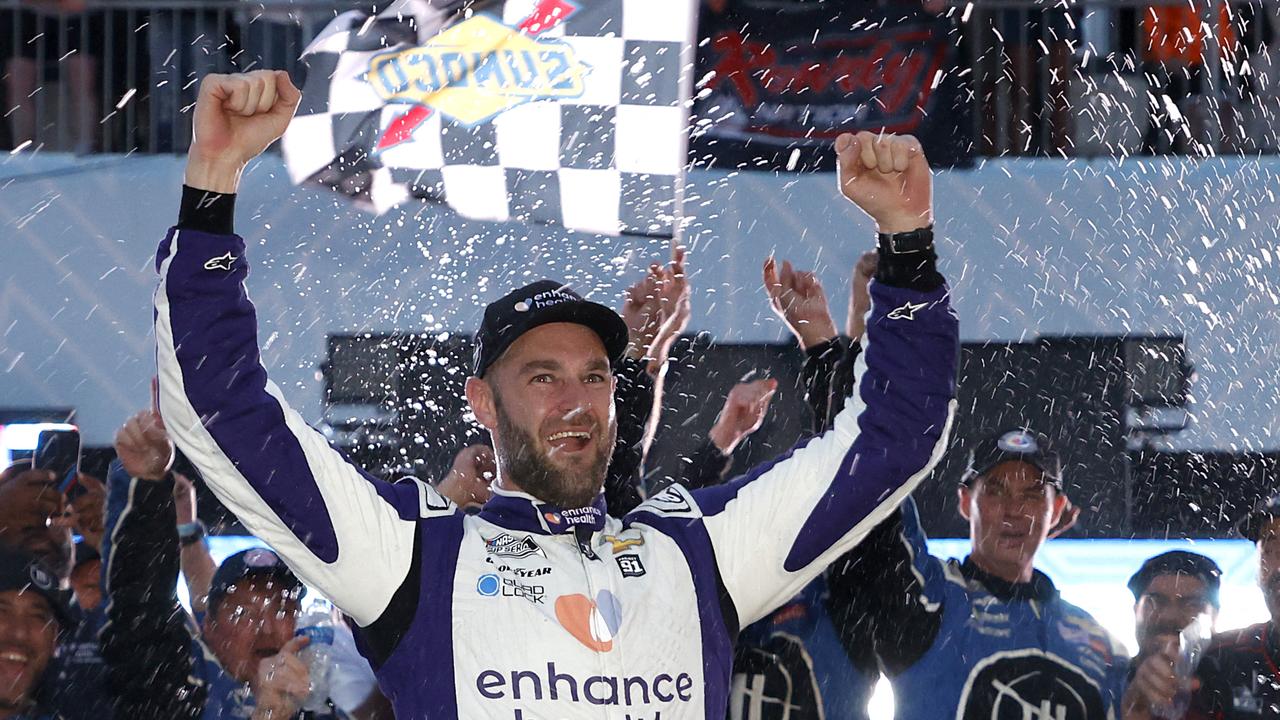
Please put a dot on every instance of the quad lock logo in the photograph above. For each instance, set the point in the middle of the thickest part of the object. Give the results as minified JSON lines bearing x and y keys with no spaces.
{"x":490,"y":585}
{"x":478,"y":69}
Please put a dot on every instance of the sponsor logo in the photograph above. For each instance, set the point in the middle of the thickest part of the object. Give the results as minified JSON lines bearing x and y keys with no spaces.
{"x":622,"y":544}
{"x":521,"y":572}
{"x":563,"y":687}
{"x":478,"y":69}
{"x":1018,"y":441}
{"x":508,"y":545}
{"x":1029,"y":685}
{"x":552,"y":518}
{"x":490,"y":585}
{"x":222,"y":262}
{"x":594,"y":623}
{"x":630,"y":565}
{"x":261,"y":558}
{"x":670,"y":501}
{"x":907,"y":311}
{"x":40,"y":578}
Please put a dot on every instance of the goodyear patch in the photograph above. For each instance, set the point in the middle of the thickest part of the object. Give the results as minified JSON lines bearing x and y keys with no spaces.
{"x":478,"y":69}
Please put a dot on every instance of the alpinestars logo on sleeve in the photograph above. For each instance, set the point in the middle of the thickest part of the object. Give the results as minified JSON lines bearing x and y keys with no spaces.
{"x":907,"y":311}
{"x":222,"y":262}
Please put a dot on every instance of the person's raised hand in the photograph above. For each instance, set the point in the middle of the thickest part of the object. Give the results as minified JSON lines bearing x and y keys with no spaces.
{"x":743,"y":412}
{"x":282,"y":683}
{"x":888,"y":177}
{"x":675,"y":307}
{"x":28,"y":498}
{"x":143,"y":446}
{"x":184,"y":498}
{"x":468,"y":481}
{"x":860,"y":294}
{"x":236,"y":117}
{"x":798,"y":299}
{"x":1155,"y":682}
{"x":640,"y":313}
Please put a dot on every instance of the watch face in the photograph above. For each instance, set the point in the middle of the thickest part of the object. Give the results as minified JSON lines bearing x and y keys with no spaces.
{"x":1009,"y":685}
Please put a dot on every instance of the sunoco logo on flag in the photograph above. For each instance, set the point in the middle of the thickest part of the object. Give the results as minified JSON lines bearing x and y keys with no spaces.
{"x":478,"y":69}
{"x":548,"y":111}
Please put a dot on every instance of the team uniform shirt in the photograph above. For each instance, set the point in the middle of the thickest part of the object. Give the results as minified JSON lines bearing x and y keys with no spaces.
{"x":960,"y":644}
{"x":1239,"y":676}
{"x":528,"y":611}
{"x":80,"y":690}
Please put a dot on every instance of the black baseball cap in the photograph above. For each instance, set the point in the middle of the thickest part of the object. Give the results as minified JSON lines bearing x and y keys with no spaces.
{"x":1021,"y":444}
{"x":251,"y":563}
{"x":1250,"y":526}
{"x":21,"y":571}
{"x":540,"y":303}
{"x":1178,"y":562}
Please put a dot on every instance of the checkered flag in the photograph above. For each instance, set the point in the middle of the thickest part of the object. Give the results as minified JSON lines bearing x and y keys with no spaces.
{"x":564,"y":112}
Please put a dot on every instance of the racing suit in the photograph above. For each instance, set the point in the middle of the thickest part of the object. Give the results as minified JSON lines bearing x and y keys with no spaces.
{"x":957,"y":642}
{"x":1238,"y":675}
{"x":526,"y":610}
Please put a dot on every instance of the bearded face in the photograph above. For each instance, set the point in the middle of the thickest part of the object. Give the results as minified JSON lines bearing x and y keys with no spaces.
{"x":548,"y":403}
{"x":567,"y":471}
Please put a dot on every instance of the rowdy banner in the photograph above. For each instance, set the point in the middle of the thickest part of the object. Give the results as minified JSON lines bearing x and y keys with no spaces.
{"x":572,"y":113}
{"x":779,"y":81}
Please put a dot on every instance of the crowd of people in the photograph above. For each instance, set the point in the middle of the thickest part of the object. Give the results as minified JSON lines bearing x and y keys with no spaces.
{"x":538,"y":577}
{"x":1028,"y":58}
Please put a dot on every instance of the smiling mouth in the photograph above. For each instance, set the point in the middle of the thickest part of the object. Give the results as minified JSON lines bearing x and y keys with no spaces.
{"x":570,"y":440}
{"x":15,"y":656}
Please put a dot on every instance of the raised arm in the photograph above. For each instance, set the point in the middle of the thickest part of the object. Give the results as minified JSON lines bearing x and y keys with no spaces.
{"x":342,"y":531}
{"x":147,"y":640}
{"x":775,"y":529}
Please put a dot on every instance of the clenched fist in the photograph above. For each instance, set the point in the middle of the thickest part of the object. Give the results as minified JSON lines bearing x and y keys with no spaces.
{"x":236,"y":118}
{"x":888,"y":177}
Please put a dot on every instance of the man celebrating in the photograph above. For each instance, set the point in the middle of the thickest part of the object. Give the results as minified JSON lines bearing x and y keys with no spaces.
{"x":33,"y":611}
{"x":988,"y":637}
{"x":541,"y":605}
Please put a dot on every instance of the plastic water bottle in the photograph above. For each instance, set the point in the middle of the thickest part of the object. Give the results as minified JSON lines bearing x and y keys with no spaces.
{"x":1192,"y":642}
{"x":317,"y":624}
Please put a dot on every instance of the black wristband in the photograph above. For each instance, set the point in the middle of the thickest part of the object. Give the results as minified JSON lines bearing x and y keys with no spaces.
{"x":207,"y":211}
{"x":908,"y":260}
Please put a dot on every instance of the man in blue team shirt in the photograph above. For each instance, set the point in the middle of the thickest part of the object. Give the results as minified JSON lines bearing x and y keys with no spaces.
{"x":987,"y":637}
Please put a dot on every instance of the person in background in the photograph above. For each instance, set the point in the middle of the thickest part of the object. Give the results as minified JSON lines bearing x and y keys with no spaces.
{"x":33,"y":611}
{"x":1237,"y":677}
{"x":34,"y":518}
{"x":49,"y":33}
{"x":1170,"y":591}
{"x":243,"y":662}
{"x":80,"y":691}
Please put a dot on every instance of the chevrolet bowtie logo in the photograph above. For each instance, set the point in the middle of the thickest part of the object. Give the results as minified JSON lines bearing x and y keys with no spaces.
{"x":222,"y":262}
{"x":906,"y":312}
